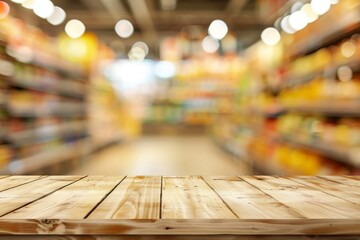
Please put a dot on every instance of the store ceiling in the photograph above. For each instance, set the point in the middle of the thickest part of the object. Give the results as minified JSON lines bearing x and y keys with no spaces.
{"x":154,"y":19}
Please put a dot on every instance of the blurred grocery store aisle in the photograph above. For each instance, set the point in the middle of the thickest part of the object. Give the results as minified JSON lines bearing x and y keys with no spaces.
{"x":164,"y":155}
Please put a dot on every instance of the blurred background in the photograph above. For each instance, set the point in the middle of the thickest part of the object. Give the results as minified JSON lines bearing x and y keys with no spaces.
{"x":180,"y":87}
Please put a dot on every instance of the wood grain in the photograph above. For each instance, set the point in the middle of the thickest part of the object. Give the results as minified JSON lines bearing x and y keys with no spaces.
{"x":191,"y":198}
{"x":305,"y":200}
{"x":72,"y":202}
{"x":181,"y":227}
{"x":134,"y":198}
{"x":14,"y":198}
{"x":14,"y":181}
{"x":346,"y":192}
{"x":350,"y":181}
{"x":178,"y":237}
{"x":247,"y":201}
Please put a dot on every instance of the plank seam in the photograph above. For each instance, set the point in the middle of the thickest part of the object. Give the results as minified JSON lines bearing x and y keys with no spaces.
{"x":6,"y":176}
{"x":321,"y":190}
{"x":26,"y":204}
{"x":288,"y":207}
{"x":22,"y":184}
{"x":338,"y":182}
{"x":161,"y":194}
{"x":219,"y":197}
{"x":103,"y":199}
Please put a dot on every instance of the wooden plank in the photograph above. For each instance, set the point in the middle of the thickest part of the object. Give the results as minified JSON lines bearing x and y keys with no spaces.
{"x":350,"y":181}
{"x":4,"y":176}
{"x":134,"y":198}
{"x":187,"y":237}
{"x":181,"y":227}
{"x":307,"y":201}
{"x":14,"y":181}
{"x":343,"y":191}
{"x":72,"y":202}
{"x":247,"y":201}
{"x":15,"y":198}
{"x":191,"y":198}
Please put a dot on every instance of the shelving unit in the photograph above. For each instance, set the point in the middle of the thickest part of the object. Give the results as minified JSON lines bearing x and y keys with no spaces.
{"x":303,"y":82}
{"x":43,"y":112}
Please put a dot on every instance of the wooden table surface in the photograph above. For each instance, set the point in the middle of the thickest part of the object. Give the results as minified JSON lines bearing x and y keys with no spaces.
{"x":166,"y":205}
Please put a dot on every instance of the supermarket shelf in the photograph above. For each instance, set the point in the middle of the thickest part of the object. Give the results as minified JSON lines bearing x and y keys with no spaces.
{"x":32,"y":114}
{"x":331,"y":109}
{"x":46,"y":90}
{"x":45,"y":159}
{"x":331,"y":33}
{"x":349,"y":156}
{"x":330,"y":71}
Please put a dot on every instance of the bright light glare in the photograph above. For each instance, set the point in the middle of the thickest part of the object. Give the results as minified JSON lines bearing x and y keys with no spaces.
{"x":18,"y":1}
{"x":29,"y":4}
{"x":137,"y":54}
{"x":165,"y":69}
{"x":270,"y":36}
{"x":124,"y":28}
{"x":320,"y":6}
{"x":43,"y":8}
{"x":4,"y":9}
{"x":285,"y":25}
{"x":210,"y":45}
{"x":143,"y":46}
{"x":57,"y":17}
{"x":345,"y":73}
{"x":310,"y":14}
{"x":348,"y":48}
{"x":298,"y":20}
{"x":75,"y":28}
{"x":218,"y":29}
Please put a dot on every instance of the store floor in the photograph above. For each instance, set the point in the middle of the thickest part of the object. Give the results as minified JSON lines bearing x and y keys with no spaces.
{"x":160,"y":155}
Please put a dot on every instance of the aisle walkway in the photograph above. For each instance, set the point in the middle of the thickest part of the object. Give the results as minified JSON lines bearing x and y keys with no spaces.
{"x":164,"y":156}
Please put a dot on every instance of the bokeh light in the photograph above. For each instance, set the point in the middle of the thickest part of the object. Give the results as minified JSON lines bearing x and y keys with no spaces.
{"x":320,"y":6}
{"x":298,"y":20}
{"x":75,"y":28}
{"x":57,"y":17}
{"x":310,"y":14}
{"x":124,"y":28}
{"x":270,"y":36}
{"x":210,"y":45}
{"x":218,"y":29}
{"x":345,"y":73}
{"x":43,"y":8}
{"x":348,"y":48}
{"x":285,"y":25}
{"x":143,"y":46}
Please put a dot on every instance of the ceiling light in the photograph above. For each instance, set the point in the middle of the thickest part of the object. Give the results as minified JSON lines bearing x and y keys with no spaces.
{"x":75,"y":28}
{"x":57,"y":17}
{"x":298,"y":20}
{"x":270,"y":36}
{"x":320,"y":6}
{"x":310,"y":14}
{"x":141,"y":45}
{"x":218,"y":29}
{"x":43,"y":8}
{"x":124,"y":28}
{"x":285,"y":25}
{"x":210,"y":45}
{"x":4,"y":9}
